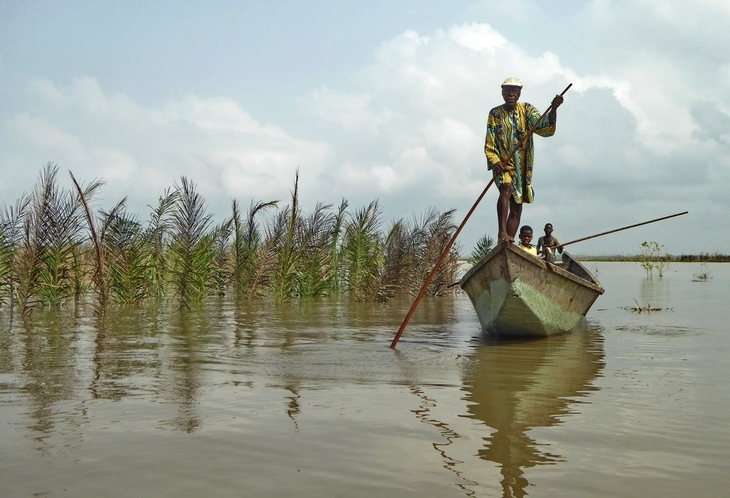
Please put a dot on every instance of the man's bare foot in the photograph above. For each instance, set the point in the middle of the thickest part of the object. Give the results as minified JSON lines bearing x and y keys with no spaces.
{"x":504,"y":237}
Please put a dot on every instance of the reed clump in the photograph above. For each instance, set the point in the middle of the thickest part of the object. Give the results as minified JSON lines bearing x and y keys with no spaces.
{"x":57,"y":248}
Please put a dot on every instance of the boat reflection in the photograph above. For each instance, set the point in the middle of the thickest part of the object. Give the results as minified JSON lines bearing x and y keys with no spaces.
{"x":514,"y":387}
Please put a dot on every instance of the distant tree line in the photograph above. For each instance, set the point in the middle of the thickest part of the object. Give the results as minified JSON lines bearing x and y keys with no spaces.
{"x":683,"y":258}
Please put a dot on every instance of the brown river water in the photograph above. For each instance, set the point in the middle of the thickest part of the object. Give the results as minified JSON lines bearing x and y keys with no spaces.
{"x":308,"y":399}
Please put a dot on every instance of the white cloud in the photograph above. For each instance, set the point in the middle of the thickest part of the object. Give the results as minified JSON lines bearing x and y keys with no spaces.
{"x":142,"y":150}
{"x":478,"y":37}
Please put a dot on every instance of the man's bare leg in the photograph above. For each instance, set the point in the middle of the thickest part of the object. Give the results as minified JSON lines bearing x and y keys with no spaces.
{"x":503,"y":212}
{"x":513,"y":220}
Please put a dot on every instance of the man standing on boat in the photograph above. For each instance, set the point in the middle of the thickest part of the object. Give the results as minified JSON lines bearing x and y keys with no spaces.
{"x":506,"y":126}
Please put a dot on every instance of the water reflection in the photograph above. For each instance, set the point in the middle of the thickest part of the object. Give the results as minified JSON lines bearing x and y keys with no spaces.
{"x":514,"y":387}
{"x":191,"y":334}
{"x":48,"y":359}
{"x":449,"y":436}
{"x":126,"y":351}
{"x":654,"y":291}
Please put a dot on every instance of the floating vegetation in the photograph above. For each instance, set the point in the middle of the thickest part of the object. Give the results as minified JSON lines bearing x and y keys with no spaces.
{"x":702,"y":276}
{"x":646,"y":309}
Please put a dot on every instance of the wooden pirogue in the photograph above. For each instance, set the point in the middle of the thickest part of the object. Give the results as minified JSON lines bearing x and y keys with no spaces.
{"x":517,"y":294}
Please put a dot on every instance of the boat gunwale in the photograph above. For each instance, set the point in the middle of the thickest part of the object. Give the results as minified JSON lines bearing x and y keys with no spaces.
{"x":536,"y":261}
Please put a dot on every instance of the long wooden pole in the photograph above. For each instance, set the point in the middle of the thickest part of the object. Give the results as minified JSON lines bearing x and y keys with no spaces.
{"x":444,"y":253}
{"x":446,"y":250}
{"x":623,"y":228}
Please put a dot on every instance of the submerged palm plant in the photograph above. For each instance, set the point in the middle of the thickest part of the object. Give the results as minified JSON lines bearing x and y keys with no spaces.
{"x":412,"y":250}
{"x":191,"y":251}
{"x":158,"y":235}
{"x":54,"y":247}
{"x":440,"y":228}
{"x":100,"y":277}
{"x":362,"y":253}
{"x":399,"y":260}
{"x":49,"y":264}
{"x":136,"y":255}
{"x":315,"y":274}
{"x":247,"y":255}
{"x":221,"y":272}
{"x":484,"y":245}
{"x":11,"y":238}
{"x":130,"y":260}
{"x":335,"y":256}
{"x":284,"y":242}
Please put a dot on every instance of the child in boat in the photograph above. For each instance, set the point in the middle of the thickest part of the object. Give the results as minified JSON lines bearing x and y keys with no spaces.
{"x":547,"y":245}
{"x":526,"y":239}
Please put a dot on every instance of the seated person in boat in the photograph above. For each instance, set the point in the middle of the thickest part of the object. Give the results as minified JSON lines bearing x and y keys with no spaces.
{"x":526,"y":239}
{"x":548,"y":244}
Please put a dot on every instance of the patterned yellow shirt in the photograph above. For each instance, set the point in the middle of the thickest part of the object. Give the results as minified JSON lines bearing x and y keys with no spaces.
{"x":504,"y":130}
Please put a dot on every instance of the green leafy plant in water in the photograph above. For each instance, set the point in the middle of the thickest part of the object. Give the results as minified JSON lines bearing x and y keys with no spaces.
{"x":315,"y":244}
{"x":48,"y":263}
{"x":651,"y":258}
{"x":158,"y":236}
{"x":11,"y":237}
{"x":128,"y":256}
{"x":399,"y":260}
{"x":54,"y":247}
{"x":98,"y":229}
{"x":481,"y":249}
{"x":362,"y":253}
{"x":248,"y":255}
{"x":135,"y":256}
{"x":437,"y":229}
{"x":335,"y":250}
{"x":221,"y":257}
{"x":411,"y":250}
{"x":283,"y":243}
{"x":192,"y":248}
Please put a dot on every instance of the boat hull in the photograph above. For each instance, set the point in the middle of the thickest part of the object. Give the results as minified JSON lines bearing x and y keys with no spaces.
{"x":517,"y":294}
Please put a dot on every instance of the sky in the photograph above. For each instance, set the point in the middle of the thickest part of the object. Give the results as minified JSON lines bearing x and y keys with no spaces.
{"x":382,"y":100}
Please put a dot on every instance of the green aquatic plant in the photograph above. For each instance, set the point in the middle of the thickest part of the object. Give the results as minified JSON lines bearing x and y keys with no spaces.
{"x":483,"y":246}
{"x":11,"y":237}
{"x":362,"y":253}
{"x":100,"y":274}
{"x":651,"y":258}
{"x":335,"y":252}
{"x":129,"y":255}
{"x":399,"y":261}
{"x":158,"y":236}
{"x":48,"y":264}
{"x":701,"y":276}
{"x":55,"y":246}
{"x":191,"y":251}
{"x":412,"y":249}
{"x":315,"y":242}
{"x":247,"y":255}
{"x":437,"y":229}
{"x":284,"y":246}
